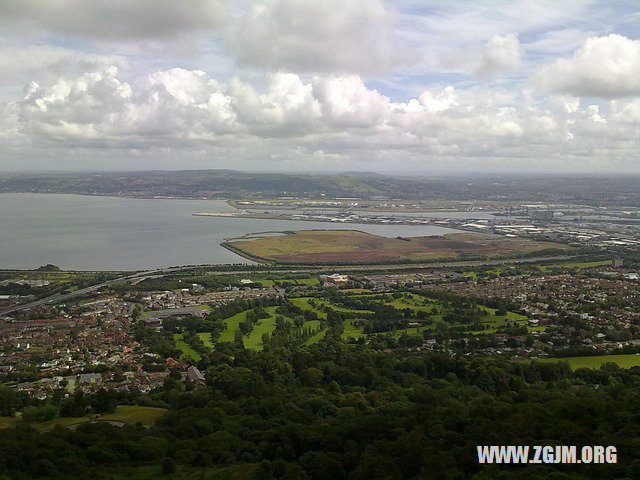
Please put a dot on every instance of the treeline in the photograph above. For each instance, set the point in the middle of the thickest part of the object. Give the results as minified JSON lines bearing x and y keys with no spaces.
{"x":329,"y":411}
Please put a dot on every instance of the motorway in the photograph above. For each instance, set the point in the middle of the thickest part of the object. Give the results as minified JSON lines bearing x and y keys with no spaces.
{"x":140,"y":276}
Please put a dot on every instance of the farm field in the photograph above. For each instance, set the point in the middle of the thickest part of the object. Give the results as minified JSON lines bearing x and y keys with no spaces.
{"x":624,"y":361}
{"x":123,"y":413}
{"x":352,"y":246}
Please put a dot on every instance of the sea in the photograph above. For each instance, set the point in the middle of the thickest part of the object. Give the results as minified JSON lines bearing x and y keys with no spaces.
{"x":77,"y":232}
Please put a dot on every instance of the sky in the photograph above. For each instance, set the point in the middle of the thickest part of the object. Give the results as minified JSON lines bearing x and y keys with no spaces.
{"x":320,"y":85}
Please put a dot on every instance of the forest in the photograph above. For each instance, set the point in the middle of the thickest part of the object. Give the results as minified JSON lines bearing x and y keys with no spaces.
{"x":331,"y":411}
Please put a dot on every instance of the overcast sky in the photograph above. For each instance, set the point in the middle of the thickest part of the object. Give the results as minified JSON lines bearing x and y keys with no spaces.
{"x":320,"y":85}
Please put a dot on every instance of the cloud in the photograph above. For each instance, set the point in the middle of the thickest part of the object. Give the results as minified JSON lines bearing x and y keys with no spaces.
{"x":605,"y":67}
{"x":340,"y":36}
{"x":115,"y":19}
{"x":501,"y":53}
{"x":346,"y":102}
{"x":332,"y":117}
{"x":559,"y":41}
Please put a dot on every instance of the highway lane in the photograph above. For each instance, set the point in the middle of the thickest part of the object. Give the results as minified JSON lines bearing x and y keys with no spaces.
{"x":60,"y":297}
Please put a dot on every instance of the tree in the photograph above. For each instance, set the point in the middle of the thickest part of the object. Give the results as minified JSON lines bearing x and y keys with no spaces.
{"x":105,"y":401}
{"x":168,"y":466}
{"x":9,"y":402}
{"x":39,"y":414}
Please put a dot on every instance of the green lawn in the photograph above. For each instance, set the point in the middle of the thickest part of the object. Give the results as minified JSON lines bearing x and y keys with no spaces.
{"x":123,"y":413}
{"x":134,"y":414}
{"x":206,"y":339}
{"x":625,"y":361}
{"x":303,"y":303}
{"x":185,"y":348}
{"x":408,"y":300}
{"x":253,"y":341}
{"x":578,"y":265}
{"x":231,"y":325}
{"x":316,"y":338}
{"x":351,"y":329}
{"x":355,"y":290}
{"x":416,"y":303}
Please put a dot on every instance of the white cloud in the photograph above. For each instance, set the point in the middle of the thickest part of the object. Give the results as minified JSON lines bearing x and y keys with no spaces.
{"x":626,"y":112}
{"x":332,"y":117}
{"x":331,"y":81}
{"x":606,"y":67}
{"x":347,"y":102}
{"x":346,"y":36}
{"x":501,"y":53}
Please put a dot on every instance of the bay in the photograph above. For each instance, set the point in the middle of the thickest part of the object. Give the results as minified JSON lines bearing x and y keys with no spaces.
{"x":115,"y":233}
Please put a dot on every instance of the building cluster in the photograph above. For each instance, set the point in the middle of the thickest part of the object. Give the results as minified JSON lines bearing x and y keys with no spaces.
{"x":171,"y":299}
{"x":592,"y":311}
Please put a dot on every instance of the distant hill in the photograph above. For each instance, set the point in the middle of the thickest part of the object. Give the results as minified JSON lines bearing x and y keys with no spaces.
{"x":585,"y":190}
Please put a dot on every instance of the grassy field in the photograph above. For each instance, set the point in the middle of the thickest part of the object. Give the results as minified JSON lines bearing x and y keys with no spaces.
{"x":578,"y":265}
{"x":206,"y":339}
{"x":123,"y":413}
{"x":231,"y":325}
{"x":624,"y":361}
{"x":490,"y":321}
{"x":269,"y":282}
{"x":185,"y":348}
{"x":303,"y":303}
{"x":253,"y":340}
{"x":354,"y":329}
{"x":352,"y":246}
{"x":55,"y":277}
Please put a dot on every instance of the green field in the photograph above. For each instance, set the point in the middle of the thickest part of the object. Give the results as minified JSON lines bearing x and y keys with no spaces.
{"x":265,"y":282}
{"x":206,"y":339}
{"x":415,"y":302}
{"x":316,"y":338}
{"x":624,"y":361}
{"x":303,"y":303}
{"x":231,"y":325}
{"x":123,"y":413}
{"x":354,"y":329}
{"x":578,"y":265}
{"x":253,"y":340}
{"x":185,"y":348}
{"x":271,"y":281}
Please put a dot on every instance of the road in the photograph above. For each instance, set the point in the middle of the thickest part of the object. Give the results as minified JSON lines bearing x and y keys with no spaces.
{"x":139,"y":276}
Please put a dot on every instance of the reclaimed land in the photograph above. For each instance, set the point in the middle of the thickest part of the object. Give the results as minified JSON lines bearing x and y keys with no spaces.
{"x":353,"y":246}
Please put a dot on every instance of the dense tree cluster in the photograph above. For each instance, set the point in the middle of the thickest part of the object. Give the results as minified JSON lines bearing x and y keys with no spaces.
{"x":337,"y":411}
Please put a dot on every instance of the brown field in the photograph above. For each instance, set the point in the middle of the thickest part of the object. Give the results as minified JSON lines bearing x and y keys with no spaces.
{"x":351,"y":246}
